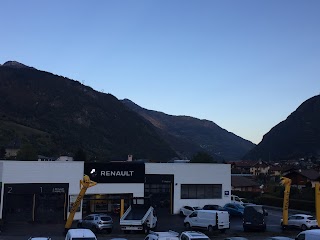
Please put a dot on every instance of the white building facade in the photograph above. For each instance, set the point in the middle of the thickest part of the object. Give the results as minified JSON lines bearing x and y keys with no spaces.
{"x":45,"y":191}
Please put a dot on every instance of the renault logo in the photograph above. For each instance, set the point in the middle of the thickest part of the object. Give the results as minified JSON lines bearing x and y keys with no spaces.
{"x":93,"y":172}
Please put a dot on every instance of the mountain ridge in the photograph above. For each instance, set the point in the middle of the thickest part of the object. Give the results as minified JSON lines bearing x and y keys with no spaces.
{"x":198,"y":134}
{"x":297,"y":136}
{"x":73,"y":116}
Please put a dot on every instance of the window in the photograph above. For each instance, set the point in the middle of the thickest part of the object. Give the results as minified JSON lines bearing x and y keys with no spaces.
{"x":301,"y":236}
{"x":89,"y":218}
{"x":183,"y":237}
{"x":201,"y":191}
{"x":194,"y":214}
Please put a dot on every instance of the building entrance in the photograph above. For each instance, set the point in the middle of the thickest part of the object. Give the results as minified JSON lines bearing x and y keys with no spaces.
{"x":105,"y":203}
{"x":43,"y":203}
{"x":160,"y":188}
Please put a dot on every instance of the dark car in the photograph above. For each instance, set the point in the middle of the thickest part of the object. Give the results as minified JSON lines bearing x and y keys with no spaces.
{"x":234,"y":209}
{"x":213,"y":207}
{"x":254,"y":218}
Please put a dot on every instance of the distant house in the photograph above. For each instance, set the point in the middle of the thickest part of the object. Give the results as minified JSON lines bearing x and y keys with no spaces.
{"x":288,"y":169}
{"x":275,"y":171}
{"x":260,"y":167}
{"x":241,"y":167}
{"x":13,"y":148}
{"x":44,"y":158}
{"x":300,"y":178}
{"x":239,"y":183}
{"x":64,"y":158}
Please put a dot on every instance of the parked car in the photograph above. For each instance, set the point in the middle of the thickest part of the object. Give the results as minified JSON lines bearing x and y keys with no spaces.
{"x":193,"y":235}
{"x":97,"y":222}
{"x":236,"y":199}
{"x":186,"y":210}
{"x":80,"y":234}
{"x":313,"y":234}
{"x":234,"y":209}
{"x":279,"y":238}
{"x":39,"y":238}
{"x":244,"y":200}
{"x":213,"y":207}
{"x":254,"y":217}
{"x":209,"y":220}
{"x":169,"y":235}
{"x":236,"y":238}
{"x":302,"y":221}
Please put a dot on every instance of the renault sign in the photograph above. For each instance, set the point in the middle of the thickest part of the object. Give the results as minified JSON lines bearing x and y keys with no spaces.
{"x":116,"y":172}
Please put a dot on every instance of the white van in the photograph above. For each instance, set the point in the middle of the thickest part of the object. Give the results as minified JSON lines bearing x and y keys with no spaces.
{"x":78,"y":234}
{"x":208,"y":219}
{"x":313,"y":234}
{"x":236,"y":199}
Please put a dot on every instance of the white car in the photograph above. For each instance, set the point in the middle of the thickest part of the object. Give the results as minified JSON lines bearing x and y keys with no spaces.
{"x":302,"y":221}
{"x":40,"y":238}
{"x":187,"y":210}
{"x":193,"y":235}
{"x":279,"y":238}
{"x":169,"y":235}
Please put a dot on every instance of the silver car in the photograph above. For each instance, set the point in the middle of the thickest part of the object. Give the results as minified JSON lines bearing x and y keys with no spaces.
{"x":97,"y":222}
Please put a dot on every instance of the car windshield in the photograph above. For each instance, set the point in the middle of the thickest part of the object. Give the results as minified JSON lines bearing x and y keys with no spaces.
{"x":200,"y":238}
{"x":84,"y":238}
{"x":259,"y":209}
{"x":105,"y":218}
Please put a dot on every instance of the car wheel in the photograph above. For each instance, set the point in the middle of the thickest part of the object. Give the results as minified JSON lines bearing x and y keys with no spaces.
{"x":304,"y":227}
{"x":223,"y":230}
{"x":187,"y":225}
{"x":109,"y":230}
{"x":181,"y":214}
{"x":210,"y":229}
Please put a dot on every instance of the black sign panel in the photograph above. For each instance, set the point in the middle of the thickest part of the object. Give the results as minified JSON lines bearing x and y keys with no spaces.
{"x":35,"y":188}
{"x":115,"y":172}
{"x":159,"y":179}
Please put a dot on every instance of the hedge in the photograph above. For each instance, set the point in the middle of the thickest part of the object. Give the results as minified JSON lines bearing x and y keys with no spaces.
{"x":296,"y":204}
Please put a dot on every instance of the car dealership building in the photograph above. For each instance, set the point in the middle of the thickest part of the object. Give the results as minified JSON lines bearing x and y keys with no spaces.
{"x":36,"y":191}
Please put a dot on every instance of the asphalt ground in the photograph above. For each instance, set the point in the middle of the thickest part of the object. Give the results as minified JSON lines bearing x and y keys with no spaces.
{"x":17,"y":231}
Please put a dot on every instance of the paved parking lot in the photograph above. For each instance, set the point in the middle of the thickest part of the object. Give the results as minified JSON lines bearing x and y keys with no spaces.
{"x":17,"y":231}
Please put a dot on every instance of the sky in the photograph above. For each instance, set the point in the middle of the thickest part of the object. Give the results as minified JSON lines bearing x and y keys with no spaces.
{"x":245,"y":65}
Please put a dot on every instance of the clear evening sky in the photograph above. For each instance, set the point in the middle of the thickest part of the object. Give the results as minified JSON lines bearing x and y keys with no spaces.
{"x":245,"y":65}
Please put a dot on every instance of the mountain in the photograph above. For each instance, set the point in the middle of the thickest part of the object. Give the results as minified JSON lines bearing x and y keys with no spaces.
{"x":188,"y":135}
{"x":297,"y":136}
{"x":58,"y":115}
{"x":14,"y":64}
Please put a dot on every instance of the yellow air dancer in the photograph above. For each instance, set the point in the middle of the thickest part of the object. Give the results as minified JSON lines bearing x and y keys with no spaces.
{"x":85,"y":183}
{"x":285,"y":211}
